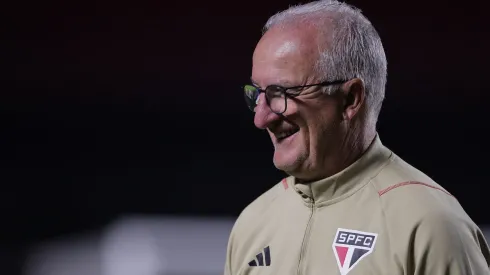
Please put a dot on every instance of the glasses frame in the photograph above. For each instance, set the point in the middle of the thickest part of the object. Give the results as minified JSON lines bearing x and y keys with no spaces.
{"x":284,"y":92}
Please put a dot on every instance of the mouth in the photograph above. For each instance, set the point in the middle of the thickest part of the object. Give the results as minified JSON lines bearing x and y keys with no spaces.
{"x":282,"y":135}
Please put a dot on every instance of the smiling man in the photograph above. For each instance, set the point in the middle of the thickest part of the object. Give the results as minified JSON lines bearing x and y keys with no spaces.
{"x":350,"y":205}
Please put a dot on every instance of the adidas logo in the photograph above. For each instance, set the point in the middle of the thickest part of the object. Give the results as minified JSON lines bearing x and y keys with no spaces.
{"x":262,"y":259}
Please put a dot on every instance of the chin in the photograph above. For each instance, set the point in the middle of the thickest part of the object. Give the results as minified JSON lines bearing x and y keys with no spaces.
{"x":289,"y":162}
{"x":290,"y":153}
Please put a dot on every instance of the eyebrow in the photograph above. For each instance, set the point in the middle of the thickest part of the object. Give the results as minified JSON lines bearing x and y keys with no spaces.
{"x":282,"y":83}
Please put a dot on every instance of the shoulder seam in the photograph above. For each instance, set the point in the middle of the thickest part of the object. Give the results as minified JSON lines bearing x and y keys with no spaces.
{"x":388,"y":189}
{"x":387,"y":228}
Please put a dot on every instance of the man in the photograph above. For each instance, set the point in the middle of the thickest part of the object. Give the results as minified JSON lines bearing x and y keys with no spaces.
{"x":350,"y":205}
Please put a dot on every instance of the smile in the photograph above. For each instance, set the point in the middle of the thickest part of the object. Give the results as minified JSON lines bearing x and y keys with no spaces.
{"x":283,"y":135}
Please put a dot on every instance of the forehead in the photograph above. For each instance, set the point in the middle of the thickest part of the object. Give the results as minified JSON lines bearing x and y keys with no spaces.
{"x":285,"y":54}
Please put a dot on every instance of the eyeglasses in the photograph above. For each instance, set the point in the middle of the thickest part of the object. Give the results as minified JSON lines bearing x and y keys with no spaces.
{"x":276,"y":96}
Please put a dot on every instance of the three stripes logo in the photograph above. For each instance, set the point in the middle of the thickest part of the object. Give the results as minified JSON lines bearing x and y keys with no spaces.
{"x":262,"y":259}
{"x":351,"y":246}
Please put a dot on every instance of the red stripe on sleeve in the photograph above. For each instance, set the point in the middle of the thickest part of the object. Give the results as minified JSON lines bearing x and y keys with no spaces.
{"x":386,"y":190}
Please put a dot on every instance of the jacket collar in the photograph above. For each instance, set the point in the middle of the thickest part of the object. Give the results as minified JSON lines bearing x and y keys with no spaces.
{"x":343,"y":184}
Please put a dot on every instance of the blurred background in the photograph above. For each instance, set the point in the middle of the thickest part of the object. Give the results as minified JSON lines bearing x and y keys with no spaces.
{"x":126,"y":145}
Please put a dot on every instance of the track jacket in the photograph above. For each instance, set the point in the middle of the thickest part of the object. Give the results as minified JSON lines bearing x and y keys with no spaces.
{"x":379,"y":216}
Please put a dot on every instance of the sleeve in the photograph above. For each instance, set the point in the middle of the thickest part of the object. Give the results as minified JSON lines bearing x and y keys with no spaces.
{"x":445,"y":244}
{"x":228,"y":259}
{"x":229,"y":251}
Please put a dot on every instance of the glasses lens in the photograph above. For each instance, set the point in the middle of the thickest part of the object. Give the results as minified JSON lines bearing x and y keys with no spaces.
{"x":276,"y":98}
{"x":251,"y":95}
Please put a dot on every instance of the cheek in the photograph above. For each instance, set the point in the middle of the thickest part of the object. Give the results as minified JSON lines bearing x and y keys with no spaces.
{"x":317,"y":119}
{"x":293,"y":108}
{"x":322,"y":122}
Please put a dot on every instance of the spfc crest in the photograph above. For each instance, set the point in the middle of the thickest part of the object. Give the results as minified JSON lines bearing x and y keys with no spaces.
{"x":351,"y":246}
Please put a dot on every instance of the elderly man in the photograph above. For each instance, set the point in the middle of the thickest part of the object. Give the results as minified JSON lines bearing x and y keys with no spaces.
{"x":350,"y":205}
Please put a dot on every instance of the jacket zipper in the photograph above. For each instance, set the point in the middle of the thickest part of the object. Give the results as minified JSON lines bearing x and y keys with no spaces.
{"x":306,"y":237}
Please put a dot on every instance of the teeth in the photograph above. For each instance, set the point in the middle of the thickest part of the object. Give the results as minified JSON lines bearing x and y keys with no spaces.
{"x":285,"y":134}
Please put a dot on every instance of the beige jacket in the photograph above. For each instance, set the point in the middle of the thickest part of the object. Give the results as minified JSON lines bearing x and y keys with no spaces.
{"x":380,"y":216}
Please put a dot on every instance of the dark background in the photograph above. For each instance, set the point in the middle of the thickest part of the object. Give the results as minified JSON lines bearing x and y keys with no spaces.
{"x":114,"y":107}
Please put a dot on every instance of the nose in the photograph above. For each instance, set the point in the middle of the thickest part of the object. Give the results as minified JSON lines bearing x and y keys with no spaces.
{"x":263,"y":114}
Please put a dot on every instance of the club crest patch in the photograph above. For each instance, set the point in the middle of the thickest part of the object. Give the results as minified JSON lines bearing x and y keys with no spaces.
{"x":351,"y":246}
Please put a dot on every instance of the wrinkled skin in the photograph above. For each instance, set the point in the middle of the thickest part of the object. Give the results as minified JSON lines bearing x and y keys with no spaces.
{"x":328,"y":131}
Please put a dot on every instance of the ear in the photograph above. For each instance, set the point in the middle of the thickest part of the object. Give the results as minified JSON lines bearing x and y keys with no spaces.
{"x":354,"y":96}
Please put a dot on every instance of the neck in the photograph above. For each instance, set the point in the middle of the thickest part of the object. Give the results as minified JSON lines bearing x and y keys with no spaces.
{"x":353,"y":148}
{"x":353,"y":145}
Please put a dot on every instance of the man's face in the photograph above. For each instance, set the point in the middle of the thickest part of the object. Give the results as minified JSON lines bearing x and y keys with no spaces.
{"x":309,"y":131}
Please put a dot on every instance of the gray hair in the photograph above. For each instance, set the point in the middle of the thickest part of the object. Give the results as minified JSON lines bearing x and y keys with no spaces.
{"x":356,"y":50}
